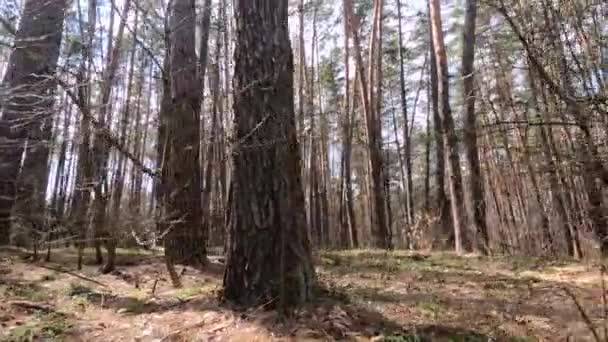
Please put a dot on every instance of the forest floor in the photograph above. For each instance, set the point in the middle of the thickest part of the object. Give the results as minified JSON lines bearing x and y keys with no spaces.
{"x":364,"y":295}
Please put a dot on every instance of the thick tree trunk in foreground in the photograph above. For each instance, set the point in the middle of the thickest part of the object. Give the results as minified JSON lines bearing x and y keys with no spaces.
{"x":185,"y":241}
{"x":29,"y":82}
{"x":268,"y":251}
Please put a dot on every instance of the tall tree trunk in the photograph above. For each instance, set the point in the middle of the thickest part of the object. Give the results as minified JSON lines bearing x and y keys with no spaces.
{"x":443,"y":202}
{"x":29,"y":78}
{"x":203,"y":57}
{"x":427,"y":153}
{"x":268,"y":252}
{"x":58,"y":198}
{"x":162,"y":141}
{"x":476,"y":182}
{"x":301,"y":69}
{"x":214,"y":79}
{"x":84,"y":169}
{"x":185,"y":241}
{"x":119,"y":179}
{"x":380,"y":229}
{"x":450,"y":139}
{"x":101,"y":148}
{"x":324,"y":158}
{"x":405,"y":233}
{"x":409,"y":202}
{"x":314,"y":208}
{"x":350,"y":226}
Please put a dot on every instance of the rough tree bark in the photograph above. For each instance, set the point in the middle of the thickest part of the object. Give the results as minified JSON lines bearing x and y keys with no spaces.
{"x":185,"y":241}
{"x":268,"y":251}
{"x":29,"y":80}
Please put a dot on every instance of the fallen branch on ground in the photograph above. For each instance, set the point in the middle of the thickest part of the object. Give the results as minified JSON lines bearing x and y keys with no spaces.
{"x":583,"y":313}
{"x":62,"y":270}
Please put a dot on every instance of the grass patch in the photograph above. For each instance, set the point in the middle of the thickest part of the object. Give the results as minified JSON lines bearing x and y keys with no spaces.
{"x":189,"y":292}
{"x":363,"y":260}
{"x":373,"y":294}
{"x":432,"y":307}
{"x":41,"y":327}
{"x":79,"y":290}
{"x":81,"y":294}
{"x":31,"y":292}
{"x":133,"y":306}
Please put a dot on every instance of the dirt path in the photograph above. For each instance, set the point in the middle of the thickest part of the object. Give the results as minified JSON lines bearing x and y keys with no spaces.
{"x":365,"y":295}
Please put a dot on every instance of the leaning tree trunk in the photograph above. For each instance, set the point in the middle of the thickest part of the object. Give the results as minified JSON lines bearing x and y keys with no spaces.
{"x":268,"y":251}
{"x":28,"y":79}
{"x":185,"y":241}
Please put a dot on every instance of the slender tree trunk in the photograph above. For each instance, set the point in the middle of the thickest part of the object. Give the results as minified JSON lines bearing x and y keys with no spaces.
{"x":450,"y":139}
{"x":409,"y":203}
{"x":427,"y":154}
{"x":213,"y":138}
{"x":476,"y":182}
{"x":301,"y":69}
{"x":380,"y":229}
{"x":442,"y":200}
{"x":119,"y":178}
{"x":101,"y":149}
{"x":405,"y":234}
{"x":58,"y":198}
{"x":351,"y":227}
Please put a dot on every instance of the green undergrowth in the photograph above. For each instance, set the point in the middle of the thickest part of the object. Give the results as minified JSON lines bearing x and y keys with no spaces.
{"x":194,"y":291}
{"x":372,"y":260}
{"x":31,"y":292}
{"x":41,"y":327}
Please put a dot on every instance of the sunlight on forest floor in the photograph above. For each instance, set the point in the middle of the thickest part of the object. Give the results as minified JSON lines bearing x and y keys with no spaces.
{"x":364,"y":295}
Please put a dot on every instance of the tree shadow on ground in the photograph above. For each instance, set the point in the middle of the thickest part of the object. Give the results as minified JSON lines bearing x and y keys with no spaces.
{"x":332,"y":316}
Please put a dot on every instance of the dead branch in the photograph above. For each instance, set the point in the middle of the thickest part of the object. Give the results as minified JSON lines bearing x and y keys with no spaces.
{"x":102,"y":132}
{"x":62,"y":270}
{"x":583,"y":314}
